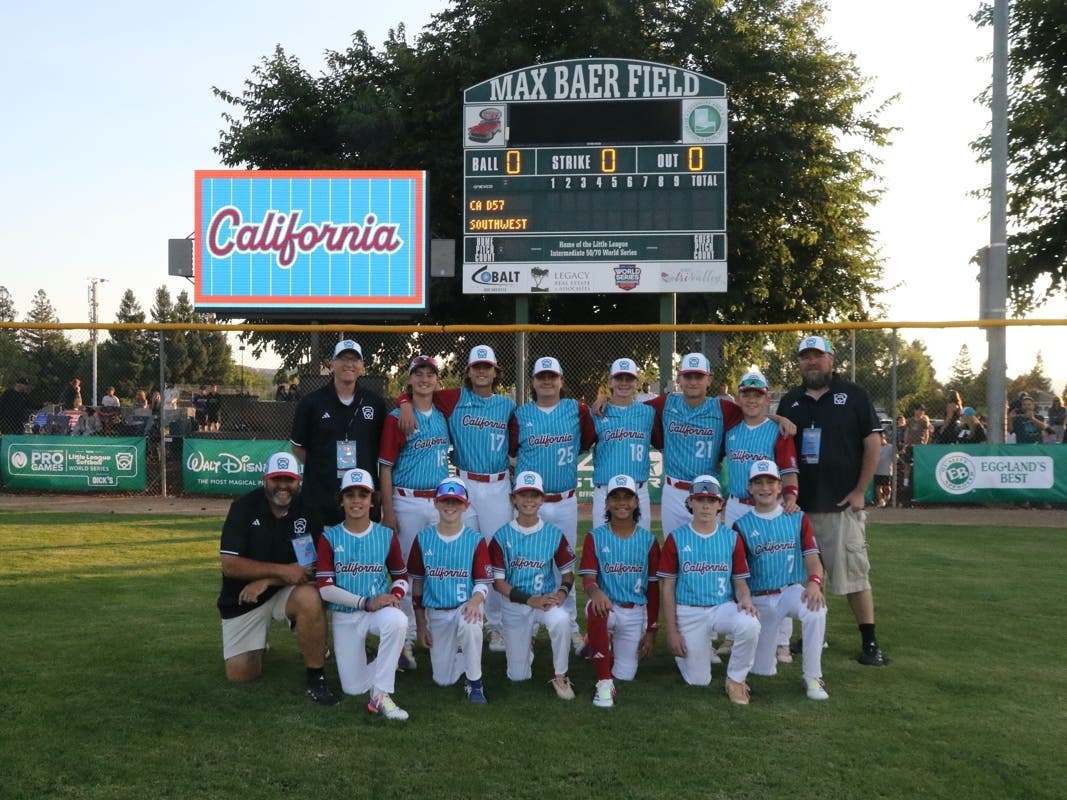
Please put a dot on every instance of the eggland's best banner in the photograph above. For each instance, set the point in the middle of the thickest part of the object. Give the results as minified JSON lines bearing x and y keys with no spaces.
{"x":227,"y":466}
{"x":992,"y":473}
{"x":74,"y":464}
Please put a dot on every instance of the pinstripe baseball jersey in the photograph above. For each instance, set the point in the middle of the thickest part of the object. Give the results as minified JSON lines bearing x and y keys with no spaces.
{"x":479,"y":429}
{"x":623,"y":441}
{"x":745,"y":445}
{"x":692,"y":437}
{"x":419,"y":461}
{"x":449,"y":567}
{"x":776,"y":543}
{"x":623,"y":568}
{"x":525,"y":559}
{"x":359,"y":564}
{"x":704,"y":566}
{"x":549,"y":443}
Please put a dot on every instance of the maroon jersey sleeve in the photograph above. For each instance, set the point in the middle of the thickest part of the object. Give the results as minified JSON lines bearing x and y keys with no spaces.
{"x":564,"y":556}
{"x":657,"y":403}
{"x":807,"y":537}
{"x":482,"y":568}
{"x":394,"y":561}
{"x":652,"y":592}
{"x":731,"y":413}
{"x":668,"y":559}
{"x":416,"y":569}
{"x":586,"y":426}
{"x":513,"y":436}
{"x":392,"y":441}
{"x":740,"y":559}
{"x":590,"y":566}
{"x":324,"y":569}
{"x":785,"y":454}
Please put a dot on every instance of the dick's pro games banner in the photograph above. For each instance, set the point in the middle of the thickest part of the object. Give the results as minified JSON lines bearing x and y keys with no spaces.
{"x":310,"y":241}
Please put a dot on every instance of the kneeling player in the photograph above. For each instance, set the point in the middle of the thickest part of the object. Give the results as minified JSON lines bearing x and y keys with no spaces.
{"x":786,"y":579}
{"x":702,"y":571}
{"x":619,"y":563}
{"x":354,"y":556}
{"x":450,"y":578}
{"x":523,"y":553}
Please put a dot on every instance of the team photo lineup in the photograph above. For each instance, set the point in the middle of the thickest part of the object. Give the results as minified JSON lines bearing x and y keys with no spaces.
{"x":447,"y":522}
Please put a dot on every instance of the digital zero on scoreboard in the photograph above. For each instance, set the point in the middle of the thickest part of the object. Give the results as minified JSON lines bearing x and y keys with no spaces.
{"x":595,"y":176}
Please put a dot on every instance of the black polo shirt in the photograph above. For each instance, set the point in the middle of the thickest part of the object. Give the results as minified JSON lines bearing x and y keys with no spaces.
{"x":252,"y":531}
{"x":321,"y":421}
{"x":844,"y":416}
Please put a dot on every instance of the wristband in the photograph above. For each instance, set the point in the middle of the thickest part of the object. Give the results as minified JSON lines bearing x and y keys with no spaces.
{"x":565,"y":588}
{"x":397,"y":592}
{"x":791,"y":490}
{"x":518,"y":596}
{"x":363,"y":603}
{"x":815,"y":579}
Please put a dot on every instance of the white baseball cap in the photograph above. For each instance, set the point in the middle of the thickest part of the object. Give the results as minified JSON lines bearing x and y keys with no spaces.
{"x":422,"y":361}
{"x":764,"y":467}
{"x":282,"y":464}
{"x":482,"y":354}
{"x":452,"y":488}
{"x":623,"y":366}
{"x":345,"y":345}
{"x":528,"y":481}
{"x":622,"y":482}
{"x":694,"y":362}
{"x":706,"y":486}
{"x":546,"y":364}
{"x":819,"y":343}
{"x":753,"y":380}
{"x":359,"y":478}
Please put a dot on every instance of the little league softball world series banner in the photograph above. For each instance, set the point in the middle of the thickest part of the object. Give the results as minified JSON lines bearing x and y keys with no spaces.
{"x":310,"y":241}
{"x":74,"y":464}
{"x":1003,"y":473}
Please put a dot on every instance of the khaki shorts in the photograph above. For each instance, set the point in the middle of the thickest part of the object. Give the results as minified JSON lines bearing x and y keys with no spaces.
{"x":842,"y":541}
{"x":249,"y":631}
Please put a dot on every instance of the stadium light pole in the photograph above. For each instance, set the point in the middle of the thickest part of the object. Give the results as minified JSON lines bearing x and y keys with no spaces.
{"x":94,"y":317}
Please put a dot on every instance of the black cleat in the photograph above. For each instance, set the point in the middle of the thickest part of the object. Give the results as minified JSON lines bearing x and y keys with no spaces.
{"x":873,"y":657}
{"x":320,"y":693}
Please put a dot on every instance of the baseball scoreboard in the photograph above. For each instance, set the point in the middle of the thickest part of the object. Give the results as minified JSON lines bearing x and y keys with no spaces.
{"x":595,"y":176}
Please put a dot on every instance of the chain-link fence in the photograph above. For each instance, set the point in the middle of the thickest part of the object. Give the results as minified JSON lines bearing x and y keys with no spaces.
{"x":180,"y":387}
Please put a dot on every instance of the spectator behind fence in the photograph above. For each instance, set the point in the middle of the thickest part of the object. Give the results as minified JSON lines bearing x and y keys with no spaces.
{"x":88,"y":423}
{"x":109,"y":400}
{"x":1057,"y":418}
{"x":15,"y":407}
{"x":211,"y":407}
{"x":1027,"y":425}
{"x":200,"y":407}
{"x":972,"y":431}
{"x":294,"y":393}
{"x":70,"y":397}
{"x":281,"y":394}
{"x":949,"y":431}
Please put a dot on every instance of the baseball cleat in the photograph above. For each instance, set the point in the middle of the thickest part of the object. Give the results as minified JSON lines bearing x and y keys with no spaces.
{"x":320,"y":693}
{"x":383,"y":704}
{"x":604,"y":696}
{"x":737,"y":692}
{"x":406,"y":662}
{"x":873,"y":657}
{"x":816,"y":689}
{"x":562,"y":685}
{"x":496,"y":642}
{"x":475,"y":692}
{"x":726,"y":647}
{"x":715,"y":659}
{"x":783,"y":655}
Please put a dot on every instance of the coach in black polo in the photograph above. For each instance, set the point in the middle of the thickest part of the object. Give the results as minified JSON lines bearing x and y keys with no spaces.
{"x":838,"y":440}
{"x":337,"y":428}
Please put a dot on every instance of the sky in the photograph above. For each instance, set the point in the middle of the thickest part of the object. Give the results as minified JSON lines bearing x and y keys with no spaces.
{"x":109,"y":110}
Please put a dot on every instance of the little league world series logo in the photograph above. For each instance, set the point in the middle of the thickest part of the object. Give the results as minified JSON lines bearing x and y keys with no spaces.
{"x":956,"y":473}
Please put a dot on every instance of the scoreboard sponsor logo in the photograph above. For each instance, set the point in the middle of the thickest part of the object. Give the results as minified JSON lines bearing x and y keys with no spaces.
{"x":627,"y":276}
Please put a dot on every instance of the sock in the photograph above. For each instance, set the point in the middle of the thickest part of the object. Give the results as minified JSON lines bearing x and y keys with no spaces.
{"x":314,"y":674}
{"x":867,"y":634}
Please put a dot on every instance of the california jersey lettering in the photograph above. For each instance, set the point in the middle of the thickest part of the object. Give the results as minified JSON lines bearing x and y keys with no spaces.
{"x":745,"y":445}
{"x":525,"y":559}
{"x":622,"y":567}
{"x":692,"y":438}
{"x":355,"y":563}
{"x":422,"y":462}
{"x":776,"y":549}
{"x":447,"y":567}
{"x":479,"y":428}
{"x":704,"y":565}
{"x":549,"y":444}
{"x":623,"y":441}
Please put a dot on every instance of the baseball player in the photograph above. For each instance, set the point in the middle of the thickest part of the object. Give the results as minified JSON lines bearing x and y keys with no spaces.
{"x":623,"y":437}
{"x":354,"y":558}
{"x":478,"y":426}
{"x":450,"y":578}
{"x":786,"y":575}
{"x":411,"y":467}
{"x":619,"y":563}
{"x":703,"y":583}
{"x":547,"y":435}
{"x":526,"y":554}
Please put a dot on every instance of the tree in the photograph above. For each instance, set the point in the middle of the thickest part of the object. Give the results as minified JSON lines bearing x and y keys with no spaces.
{"x":175,"y":349}
{"x":1033,"y":381}
{"x":129,"y":359}
{"x":50,"y":358}
{"x":1037,"y":150}
{"x":799,"y":248}
{"x":11,"y":356}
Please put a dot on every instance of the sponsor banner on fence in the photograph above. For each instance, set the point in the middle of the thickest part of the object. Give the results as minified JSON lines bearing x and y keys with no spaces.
{"x":227,"y":466}
{"x":74,"y":464}
{"x":991,"y":473}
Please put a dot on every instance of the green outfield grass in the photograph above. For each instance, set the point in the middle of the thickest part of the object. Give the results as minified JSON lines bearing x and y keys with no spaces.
{"x":113,"y":688}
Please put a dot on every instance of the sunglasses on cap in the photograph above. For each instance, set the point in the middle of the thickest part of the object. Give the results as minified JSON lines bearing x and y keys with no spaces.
{"x":705,"y":488}
{"x":453,"y":490}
